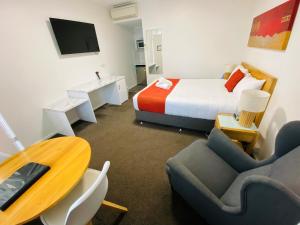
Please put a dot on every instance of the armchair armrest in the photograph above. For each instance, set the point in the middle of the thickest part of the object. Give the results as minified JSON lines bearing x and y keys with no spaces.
{"x":263,"y":194}
{"x":230,"y":152}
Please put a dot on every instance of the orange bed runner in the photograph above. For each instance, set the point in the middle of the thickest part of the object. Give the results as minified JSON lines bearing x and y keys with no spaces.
{"x":153,"y":99}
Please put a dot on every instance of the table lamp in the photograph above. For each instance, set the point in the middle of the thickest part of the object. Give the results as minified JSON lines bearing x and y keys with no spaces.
{"x":251,"y":103}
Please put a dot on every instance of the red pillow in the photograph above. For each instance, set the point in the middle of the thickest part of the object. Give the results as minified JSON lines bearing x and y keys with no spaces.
{"x":234,"y":80}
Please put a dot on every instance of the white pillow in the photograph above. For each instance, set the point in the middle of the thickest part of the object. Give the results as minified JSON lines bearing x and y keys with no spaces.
{"x":241,"y":68}
{"x":248,"y":83}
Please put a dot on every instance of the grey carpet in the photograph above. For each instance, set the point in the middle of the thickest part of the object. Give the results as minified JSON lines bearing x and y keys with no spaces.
{"x":136,"y":89}
{"x":137,"y":177}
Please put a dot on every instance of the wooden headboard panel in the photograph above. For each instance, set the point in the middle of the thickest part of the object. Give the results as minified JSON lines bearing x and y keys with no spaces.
{"x":269,"y":85}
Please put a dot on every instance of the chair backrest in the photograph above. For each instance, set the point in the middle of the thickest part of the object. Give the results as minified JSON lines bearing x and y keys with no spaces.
{"x":10,"y":134}
{"x":94,"y":187}
{"x":286,"y":158}
{"x":286,"y":170}
{"x":288,"y":138}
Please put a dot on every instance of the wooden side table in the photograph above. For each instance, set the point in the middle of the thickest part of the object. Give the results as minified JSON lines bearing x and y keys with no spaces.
{"x":245,"y":137}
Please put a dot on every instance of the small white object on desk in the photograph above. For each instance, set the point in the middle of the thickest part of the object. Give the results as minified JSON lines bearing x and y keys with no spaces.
{"x":66,"y":111}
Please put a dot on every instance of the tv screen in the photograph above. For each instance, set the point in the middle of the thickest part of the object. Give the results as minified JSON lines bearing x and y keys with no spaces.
{"x":74,"y":37}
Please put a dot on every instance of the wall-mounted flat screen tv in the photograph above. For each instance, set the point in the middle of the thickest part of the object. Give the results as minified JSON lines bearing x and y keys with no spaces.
{"x":74,"y":37}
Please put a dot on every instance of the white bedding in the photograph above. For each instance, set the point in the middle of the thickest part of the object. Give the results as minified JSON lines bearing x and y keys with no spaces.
{"x":199,"y":98}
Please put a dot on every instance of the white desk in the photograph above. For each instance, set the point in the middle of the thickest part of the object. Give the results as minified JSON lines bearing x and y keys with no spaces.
{"x":66,"y":111}
{"x":112,"y":90}
{"x":83,"y":100}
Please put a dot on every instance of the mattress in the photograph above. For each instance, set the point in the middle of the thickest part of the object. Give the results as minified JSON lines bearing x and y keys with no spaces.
{"x":198,"y":98}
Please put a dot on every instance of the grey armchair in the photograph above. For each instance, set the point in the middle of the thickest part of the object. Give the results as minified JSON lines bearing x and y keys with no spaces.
{"x":227,"y":187}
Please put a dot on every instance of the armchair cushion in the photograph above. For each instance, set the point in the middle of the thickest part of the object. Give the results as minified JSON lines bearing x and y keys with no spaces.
{"x":206,"y":166}
{"x":232,"y":196}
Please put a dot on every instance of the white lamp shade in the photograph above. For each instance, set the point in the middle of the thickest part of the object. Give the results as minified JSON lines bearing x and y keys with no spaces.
{"x":229,"y":68}
{"x":254,"y":101}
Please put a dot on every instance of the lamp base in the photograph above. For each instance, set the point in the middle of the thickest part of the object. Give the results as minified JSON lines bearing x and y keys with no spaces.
{"x":246,"y":118}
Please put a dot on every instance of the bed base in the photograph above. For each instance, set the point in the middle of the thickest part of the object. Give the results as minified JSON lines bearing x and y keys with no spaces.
{"x":176,"y":121}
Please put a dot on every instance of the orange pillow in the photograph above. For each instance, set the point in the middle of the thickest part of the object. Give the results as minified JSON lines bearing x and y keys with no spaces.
{"x":234,"y":80}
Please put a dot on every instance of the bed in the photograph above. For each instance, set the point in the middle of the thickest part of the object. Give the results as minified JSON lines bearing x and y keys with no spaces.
{"x":193,"y":103}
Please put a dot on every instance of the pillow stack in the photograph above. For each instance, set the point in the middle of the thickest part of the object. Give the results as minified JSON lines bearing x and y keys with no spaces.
{"x":248,"y":83}
{"x":234,"y":79}
{"x":240,"y":80}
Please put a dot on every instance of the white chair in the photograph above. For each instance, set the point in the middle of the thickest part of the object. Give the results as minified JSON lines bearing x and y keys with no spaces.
{"x":10,"y":134}
{"x":81,"y":205}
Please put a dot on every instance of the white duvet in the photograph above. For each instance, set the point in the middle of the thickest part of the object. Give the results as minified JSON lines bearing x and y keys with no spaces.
{"x":198,"y":98}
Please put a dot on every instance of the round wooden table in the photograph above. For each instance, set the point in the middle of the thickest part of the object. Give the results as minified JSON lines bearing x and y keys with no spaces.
{"x":68,"y":158}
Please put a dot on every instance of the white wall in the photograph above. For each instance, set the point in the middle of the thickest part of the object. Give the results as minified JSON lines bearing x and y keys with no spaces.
{"x":283,"y":106}
{"x":34,"y":74}
{"x":199,"y":37}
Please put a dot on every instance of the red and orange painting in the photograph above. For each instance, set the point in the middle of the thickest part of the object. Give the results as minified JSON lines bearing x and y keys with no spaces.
{"x":273,"y":29}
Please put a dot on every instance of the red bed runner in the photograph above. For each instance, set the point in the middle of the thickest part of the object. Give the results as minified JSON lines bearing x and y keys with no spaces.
{"x":153,"y":99}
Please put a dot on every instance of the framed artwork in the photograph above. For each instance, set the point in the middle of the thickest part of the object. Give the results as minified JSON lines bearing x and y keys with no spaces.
{"x":272,"y":29}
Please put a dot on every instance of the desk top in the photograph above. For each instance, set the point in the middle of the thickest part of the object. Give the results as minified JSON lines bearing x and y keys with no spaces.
{"x":65,"y":104}
{"x":96,"y":84}
{"x":68,"y":158}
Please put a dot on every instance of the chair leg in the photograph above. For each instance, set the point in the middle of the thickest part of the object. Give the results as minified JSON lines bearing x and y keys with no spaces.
{"x":115,"y":206}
